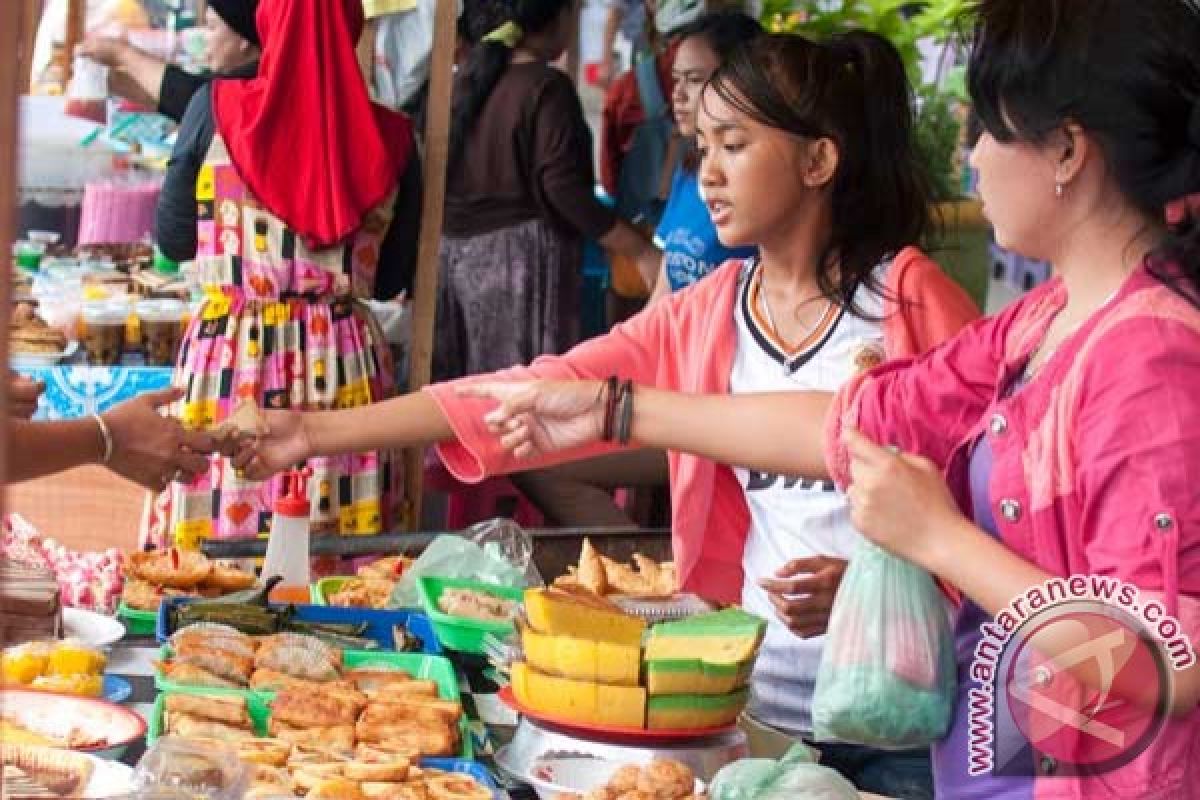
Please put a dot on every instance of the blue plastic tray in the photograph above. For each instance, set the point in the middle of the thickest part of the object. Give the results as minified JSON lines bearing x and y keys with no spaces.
{"x":379,"y":622}
{"x":472,"y":768}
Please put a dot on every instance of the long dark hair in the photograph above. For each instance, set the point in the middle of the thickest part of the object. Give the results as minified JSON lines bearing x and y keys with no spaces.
{"x":1128,"y":73}
{"x":488,"y":60}
{"x":850,"y":88}
{"x":724,"y":32}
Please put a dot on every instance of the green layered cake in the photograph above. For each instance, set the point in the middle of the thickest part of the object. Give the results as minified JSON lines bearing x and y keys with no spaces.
{"x":692,"y":711}
{"x":709,"y":654}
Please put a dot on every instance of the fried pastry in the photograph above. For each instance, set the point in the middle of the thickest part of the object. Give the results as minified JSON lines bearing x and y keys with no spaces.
{"x":226,"y":709}
{"x":61,"y":771}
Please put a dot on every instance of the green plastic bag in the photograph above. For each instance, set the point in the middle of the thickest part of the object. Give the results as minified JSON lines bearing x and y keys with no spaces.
{"x":796,"y":775}
{"x":887,"y":673}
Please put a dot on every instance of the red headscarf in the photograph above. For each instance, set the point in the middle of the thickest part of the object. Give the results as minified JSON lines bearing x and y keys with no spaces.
{"x":304,"y":134}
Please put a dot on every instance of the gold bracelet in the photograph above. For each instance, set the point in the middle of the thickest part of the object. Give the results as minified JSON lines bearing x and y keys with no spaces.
{"x":106,"y":435}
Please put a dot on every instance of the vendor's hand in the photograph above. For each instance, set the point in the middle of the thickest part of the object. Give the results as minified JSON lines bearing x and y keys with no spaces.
{"x":802,"y":592}
{"x":285,"y":444}
{"x":898,"y":500}
{"x":23,"y":394}
{"x":543,"y":416}
{"x":152,"y":449}
{"x":106,"y":50}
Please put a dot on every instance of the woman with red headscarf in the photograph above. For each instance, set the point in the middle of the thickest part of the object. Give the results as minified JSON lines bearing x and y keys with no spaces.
{"x":295,"y":195}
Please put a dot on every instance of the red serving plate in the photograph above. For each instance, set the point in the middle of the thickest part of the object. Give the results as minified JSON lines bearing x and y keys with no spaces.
{"x":588,"y":730}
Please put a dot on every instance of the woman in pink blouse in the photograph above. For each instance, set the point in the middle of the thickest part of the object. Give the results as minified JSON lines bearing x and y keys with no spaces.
{"x":1058,"y":438}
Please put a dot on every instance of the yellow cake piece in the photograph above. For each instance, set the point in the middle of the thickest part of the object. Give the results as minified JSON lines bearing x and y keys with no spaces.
{"x":581,"y":615}
{"x":582,"y":659}
{"x":579,"y":701}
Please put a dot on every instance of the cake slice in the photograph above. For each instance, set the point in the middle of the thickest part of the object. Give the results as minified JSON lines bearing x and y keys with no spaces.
{"x":582,"y":659}
{"x":731,"y":636}
{"x":582,"y":615}
{"x":579,"y":701}
{"x":694,"y":711}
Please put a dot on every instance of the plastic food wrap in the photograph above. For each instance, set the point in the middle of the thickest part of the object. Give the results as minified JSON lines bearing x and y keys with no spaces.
{"x":794,"y":776}
{"x":208,"y":770}
{"x":496,"y":551}
{"x":887,"y":673}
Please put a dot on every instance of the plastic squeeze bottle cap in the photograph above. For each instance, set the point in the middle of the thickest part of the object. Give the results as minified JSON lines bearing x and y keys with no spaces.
{"x":293,"y":502}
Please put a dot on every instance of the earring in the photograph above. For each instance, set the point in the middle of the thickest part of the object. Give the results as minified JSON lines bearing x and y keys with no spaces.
{"x":1058,"y":190}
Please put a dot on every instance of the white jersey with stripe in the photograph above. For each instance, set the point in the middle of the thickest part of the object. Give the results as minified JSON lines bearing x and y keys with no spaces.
{"x":794,"y":516}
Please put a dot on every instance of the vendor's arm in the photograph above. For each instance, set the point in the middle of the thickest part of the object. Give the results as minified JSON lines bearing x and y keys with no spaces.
{"x":133,"y":73}
{"x":398,"y":253}
{"x":565,"y":183}
{"x":175,"y":217}
{"x":147,"y":447}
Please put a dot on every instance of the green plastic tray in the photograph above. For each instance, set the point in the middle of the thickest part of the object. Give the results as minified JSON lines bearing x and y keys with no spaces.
{"x":463,"y":633}
{"x":137,"y":623}
{"x":260,"y":712}
{"x":320,"y":591}
{"x":420,"y":665}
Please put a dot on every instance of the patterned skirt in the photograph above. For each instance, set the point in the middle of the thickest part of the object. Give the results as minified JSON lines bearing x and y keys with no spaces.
{"x":310,"y":354}
{"x":505,"y":298}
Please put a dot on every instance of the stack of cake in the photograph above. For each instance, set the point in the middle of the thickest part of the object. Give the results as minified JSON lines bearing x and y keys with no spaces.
{"x":30,"y":607}
{"x":585,"y":662}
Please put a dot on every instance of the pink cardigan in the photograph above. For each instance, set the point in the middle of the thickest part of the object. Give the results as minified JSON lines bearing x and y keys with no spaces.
{"x":686,"y":342}
{"x":1095,"y":464}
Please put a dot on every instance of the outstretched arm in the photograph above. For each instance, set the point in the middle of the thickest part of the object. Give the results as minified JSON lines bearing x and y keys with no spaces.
{"x":778,"y":432}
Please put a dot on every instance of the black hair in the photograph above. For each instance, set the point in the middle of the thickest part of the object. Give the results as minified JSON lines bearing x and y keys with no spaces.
{"x":1128,"y":73}
{"x":488,"y":60}
{"x":724,"y":31}
{"x":852,"y":89}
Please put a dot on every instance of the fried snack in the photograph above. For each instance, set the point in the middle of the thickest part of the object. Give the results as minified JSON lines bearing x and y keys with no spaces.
{"x":382,"y":753}
{"x":229,"y":579}
{"x":454,"y":786}
{"x":475,"y":604}
{"x":591,"y":574}
{"x":659,"y":577}
{"x":336,"y":789}
{"x":192,"y":675}
{"x":61,"y":771}
{"x":363,"y":593}
{"x":302,"y":709}
{"x":369,"y":680}
{"x":171,"y":568}
{"x":666,"y":779}
{"x":226,"y":709}
{"x":265,"y":751}
{"x":191,"y":726}
{"x":268,"y":791}
{"x":388,"y":568}
{"x":427,"y":742}
{"x":273,"y":680}
{"x":223,"y":664}
{"x":378,"y":771}
{"x":333,"y":738}
{"x":417,"y":709}
{"x":403,"y":690}
{"x":625,"y":779}
{"x":143,"y":595}
{"x":246,"y":420}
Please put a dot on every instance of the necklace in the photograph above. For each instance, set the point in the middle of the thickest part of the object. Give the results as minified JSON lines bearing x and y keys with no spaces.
{"x":766,"y":306}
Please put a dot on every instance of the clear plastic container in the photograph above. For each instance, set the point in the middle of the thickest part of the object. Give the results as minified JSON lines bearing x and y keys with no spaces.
{"x":104,"y":331}
{"x":161,"y":323}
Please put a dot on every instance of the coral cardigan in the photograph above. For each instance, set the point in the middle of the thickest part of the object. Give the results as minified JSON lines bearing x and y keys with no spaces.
{"x":685,"y":342}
